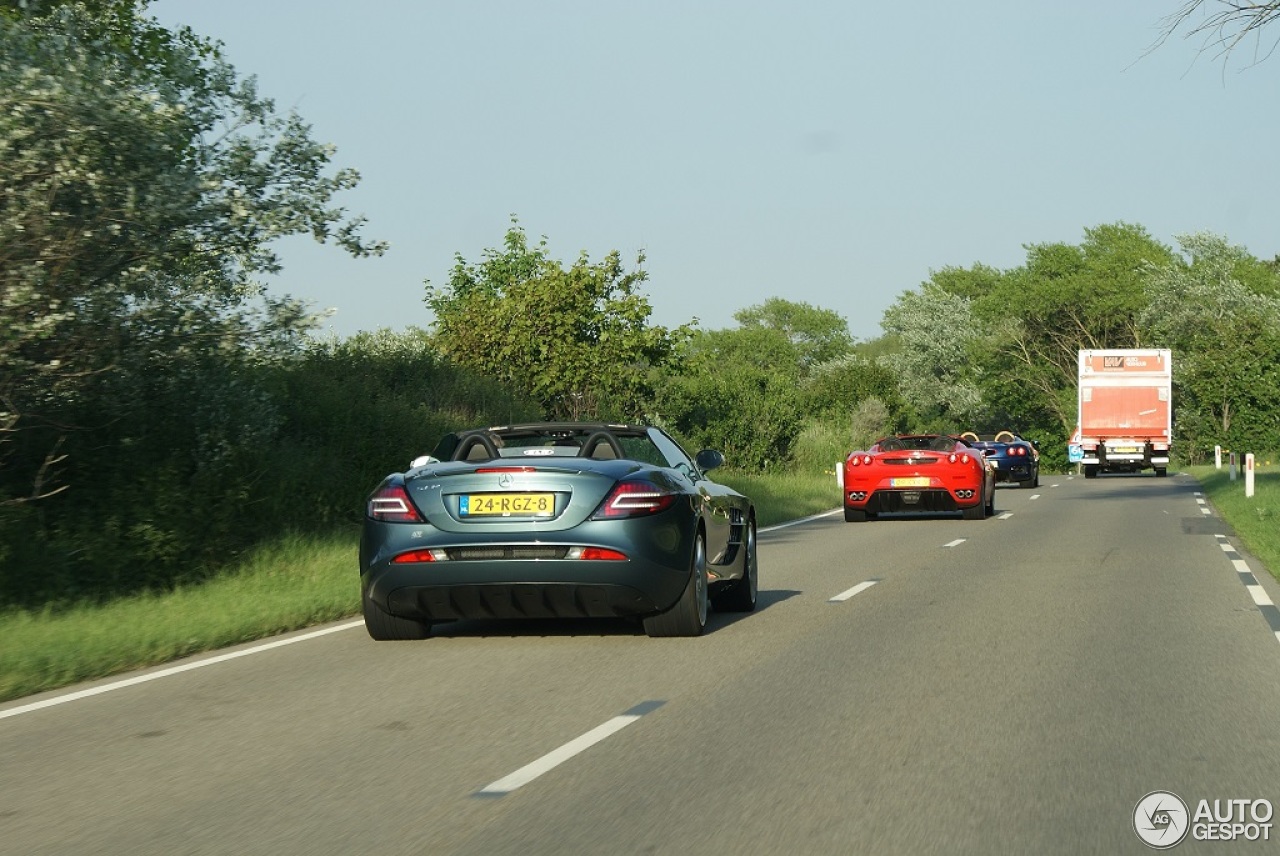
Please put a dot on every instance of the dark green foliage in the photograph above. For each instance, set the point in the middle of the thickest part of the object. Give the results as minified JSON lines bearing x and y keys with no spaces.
{"x":354,"y":410}
{"x":578,"y":339}
{"x":750,"y":415}
{"x":188,"y":457}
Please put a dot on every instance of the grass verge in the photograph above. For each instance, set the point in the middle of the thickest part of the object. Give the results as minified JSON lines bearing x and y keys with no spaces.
{"x":1256,"y":519}
{"x":292,"y":583}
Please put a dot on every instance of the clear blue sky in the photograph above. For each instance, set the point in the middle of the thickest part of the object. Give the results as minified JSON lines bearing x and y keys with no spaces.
{"x":828,"y":152}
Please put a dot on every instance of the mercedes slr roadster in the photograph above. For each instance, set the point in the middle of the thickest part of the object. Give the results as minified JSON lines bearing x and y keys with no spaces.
{"x":934,"y":473}
{"x":556,"y":519}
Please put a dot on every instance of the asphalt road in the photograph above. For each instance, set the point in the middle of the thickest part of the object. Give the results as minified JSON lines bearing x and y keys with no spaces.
{"x":914,"y":686}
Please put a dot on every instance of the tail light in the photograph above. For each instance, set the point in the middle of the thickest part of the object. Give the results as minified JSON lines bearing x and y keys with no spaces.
{"x":634,"y":499}
{"x":392,"y":505}
{"x":855,"y":460}
{"x":1018,"y":451}
{"x":954,"y":458}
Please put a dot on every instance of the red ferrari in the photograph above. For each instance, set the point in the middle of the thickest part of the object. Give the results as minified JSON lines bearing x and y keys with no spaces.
{"x":918,"y":472}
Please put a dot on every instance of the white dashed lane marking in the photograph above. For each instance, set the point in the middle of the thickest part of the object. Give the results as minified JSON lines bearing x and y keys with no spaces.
{"x":860,"y":587}
{"x":556,"y":757}
{"x":1259,"y":595}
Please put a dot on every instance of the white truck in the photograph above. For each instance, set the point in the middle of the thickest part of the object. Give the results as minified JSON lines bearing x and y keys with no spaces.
{"x":1126,"y":411}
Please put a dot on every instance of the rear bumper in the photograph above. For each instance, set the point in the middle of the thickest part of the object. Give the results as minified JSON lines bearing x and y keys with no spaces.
{"x":650,"y":580}
{"x":925,"y":500}
{"x":1019,"y":472}
{"x":1129,"y":456}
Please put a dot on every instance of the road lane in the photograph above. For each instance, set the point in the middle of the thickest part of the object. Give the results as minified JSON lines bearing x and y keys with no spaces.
{"x":1017,"y":692}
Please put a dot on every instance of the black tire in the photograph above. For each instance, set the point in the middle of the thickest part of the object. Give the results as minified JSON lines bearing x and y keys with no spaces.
{"x":1161,"y":471}
{"x":1091,"y":471}
{"x":688,"y":617}
{"x":385,"y":627}
{"x":742,"y":596}
{"x":854,"y":515}
{"x":977,"y":512}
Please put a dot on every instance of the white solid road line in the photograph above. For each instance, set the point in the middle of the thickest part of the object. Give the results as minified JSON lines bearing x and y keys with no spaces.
{"x":173,"y":670}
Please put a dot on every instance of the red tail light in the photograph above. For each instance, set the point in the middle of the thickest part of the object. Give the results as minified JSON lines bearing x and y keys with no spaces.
{"x":413,"y":557}
{"x":634,"y":499}
{"x":392,"y":505}
{"x":602,"y":554}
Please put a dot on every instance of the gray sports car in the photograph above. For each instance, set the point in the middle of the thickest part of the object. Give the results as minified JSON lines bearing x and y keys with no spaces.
{"x":556,"y":519}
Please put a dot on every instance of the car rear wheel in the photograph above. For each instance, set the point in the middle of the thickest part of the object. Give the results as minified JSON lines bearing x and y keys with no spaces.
{"x":742,"y":597}
{"x":854,"y":515}
{"x":977,"y":512}
{"x":385,"y":627}
{"x":688,"y":617}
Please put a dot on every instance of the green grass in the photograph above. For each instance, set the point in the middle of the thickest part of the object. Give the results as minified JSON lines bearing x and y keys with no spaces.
{"x":297,"y":582}
{"x":293,"y":583}
{"x":1256,"y":519}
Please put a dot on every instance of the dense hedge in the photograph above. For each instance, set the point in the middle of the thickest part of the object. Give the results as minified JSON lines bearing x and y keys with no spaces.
{"x":182,"y":462}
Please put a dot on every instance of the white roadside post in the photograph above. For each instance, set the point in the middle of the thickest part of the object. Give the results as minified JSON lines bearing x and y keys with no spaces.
{"x":1233,"y":466}
{"x":1217,"y":457}
{"x":1248,"y":474}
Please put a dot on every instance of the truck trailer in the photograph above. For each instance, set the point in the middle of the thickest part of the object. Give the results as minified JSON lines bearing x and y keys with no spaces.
{"x":1125,"y":411}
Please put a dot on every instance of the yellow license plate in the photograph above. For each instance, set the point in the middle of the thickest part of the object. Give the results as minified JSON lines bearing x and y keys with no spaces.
{"x":507,"y":504}
{"x":1124,"y":450}
{"x":914,"y":481}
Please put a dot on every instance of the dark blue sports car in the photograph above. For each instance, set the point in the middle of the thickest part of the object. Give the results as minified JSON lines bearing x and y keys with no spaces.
{"x":556,"y":519}
{"x":1016,"y":460}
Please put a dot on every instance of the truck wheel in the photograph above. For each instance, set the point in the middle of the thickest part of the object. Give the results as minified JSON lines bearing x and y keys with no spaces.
{"x":1161,"y":471}
{"x":1091,"y":471}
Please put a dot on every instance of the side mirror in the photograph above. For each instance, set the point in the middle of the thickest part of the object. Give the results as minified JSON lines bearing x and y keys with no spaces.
{"x":709,"y":459}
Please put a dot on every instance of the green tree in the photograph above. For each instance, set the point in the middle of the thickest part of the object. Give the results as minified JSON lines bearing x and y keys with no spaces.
{"x":816,"y":335}
{"x":1226,"y":341}
{"x":936,"y":331}
{"x":1040,"y":315}
{"x":140,"y":179}
{"x":576,"y":339}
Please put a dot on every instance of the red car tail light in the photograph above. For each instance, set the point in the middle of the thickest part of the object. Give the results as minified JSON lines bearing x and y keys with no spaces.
{"x":953,"y":458}
{"x":634,"y":499}
{"x":855,"y":460}
{"x":415,"y":556}
{"x":597,"y":554}
{"x":392,"y":505}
